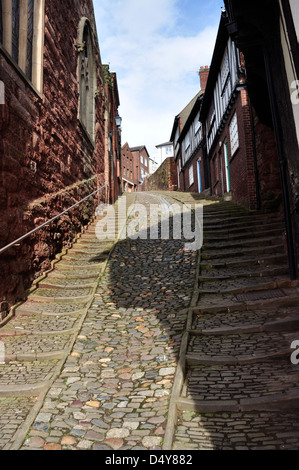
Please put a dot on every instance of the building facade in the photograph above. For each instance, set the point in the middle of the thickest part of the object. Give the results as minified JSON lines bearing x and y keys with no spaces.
{"x":267,"y":34}
{"x":165,"y":150}
{"x":225,"y":114}
{"x":54,"y":139}
{"x":141,"y":159}
{"x":129,"y":180}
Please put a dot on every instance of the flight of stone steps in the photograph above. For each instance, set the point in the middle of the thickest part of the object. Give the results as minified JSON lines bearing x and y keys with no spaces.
{"x":40,"y":336}
{"x":239,"y":388}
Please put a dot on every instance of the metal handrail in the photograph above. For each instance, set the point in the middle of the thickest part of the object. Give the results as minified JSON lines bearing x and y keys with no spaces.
{"x":5,"y":248}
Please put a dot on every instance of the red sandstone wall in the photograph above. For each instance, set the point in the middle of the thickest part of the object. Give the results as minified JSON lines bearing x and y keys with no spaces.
{"x":44,"y":150}
{"x":164,"y":179}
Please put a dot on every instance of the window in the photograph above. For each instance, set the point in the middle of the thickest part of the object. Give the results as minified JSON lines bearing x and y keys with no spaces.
{"x":22,"y":36}
{"x":191,"y":175}
{"x":197,"y":126}
{"x":187,"y":142}
{"x":87,"y":78}
{"x":169,"y":150}
{"x":234,"y":134}
{"x":224,"y":71}
{"x":141,"y":159}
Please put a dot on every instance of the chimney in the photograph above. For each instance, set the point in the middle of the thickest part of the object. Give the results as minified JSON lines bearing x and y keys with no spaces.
{"x":203,"y":75}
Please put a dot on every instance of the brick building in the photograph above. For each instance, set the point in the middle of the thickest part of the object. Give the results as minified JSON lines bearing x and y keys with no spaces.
{"x":54,"y":136}
{"x":141,"y":165}
{"x":267,"y":33}
{"x":225,"y":113}
{"x":188,"y":135}
{"x":129,"y":180}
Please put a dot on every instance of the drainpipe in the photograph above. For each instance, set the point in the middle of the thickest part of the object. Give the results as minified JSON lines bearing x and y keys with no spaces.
{"x":283,"y":169}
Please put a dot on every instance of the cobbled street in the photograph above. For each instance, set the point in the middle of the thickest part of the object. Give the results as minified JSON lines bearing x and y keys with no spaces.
{"x":132,"y":345}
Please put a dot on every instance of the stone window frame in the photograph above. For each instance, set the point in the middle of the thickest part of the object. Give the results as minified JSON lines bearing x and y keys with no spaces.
{"x":87,"y":70}
{"x":35,"y":76}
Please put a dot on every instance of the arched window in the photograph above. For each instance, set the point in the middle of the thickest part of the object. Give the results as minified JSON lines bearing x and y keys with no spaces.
{"x":87,"y":78}
{"x":22,"y":36}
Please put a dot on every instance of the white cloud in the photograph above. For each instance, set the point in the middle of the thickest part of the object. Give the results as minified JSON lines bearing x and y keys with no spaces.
{"x":157,"y":69}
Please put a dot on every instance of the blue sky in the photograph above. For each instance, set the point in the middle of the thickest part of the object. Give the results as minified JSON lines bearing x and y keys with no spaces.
{"x":156,"y":47}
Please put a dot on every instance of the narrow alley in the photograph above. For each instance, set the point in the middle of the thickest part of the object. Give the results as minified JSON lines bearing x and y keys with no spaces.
{"x":140,"y":344}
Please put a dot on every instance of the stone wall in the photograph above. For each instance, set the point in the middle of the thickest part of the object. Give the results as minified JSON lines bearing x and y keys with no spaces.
{"x":164,"y":179}
{"x":48,"y":161}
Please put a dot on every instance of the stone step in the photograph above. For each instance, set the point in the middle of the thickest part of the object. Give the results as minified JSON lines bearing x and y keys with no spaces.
{"x":87,"y":257}
{"x":62,"y":295}
{"x":260,"y":260}
{"x":243,"y":347}
{"x":240,"y":285}
{"x":239,"y":382}
{"x":80,"y":266}
{"x":238,"y":217}
{"x":64,"y":282}
{"x":262,"y":318}
{"x":247,"y":234}
{"x":255,"y":430}
{"x":246,"y":243}
{"x":31,"y":307}
{"x":243,"y":272}
{"x":239,"y":227}
{"x":230,"y":302}
{"x":36,"y":347}
{"x":20,"y":378}
{"x":241,"y":252}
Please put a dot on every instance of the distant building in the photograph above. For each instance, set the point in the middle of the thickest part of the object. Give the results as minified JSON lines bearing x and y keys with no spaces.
{"x":165,"y":151}
{"x":141,"y":158}
{"x":128,"y":174}
{"x":136,"y":166}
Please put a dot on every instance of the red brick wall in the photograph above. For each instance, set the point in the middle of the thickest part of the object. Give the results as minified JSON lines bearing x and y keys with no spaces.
{"x":268,"y":166}
{"x":44,"y":150}
{"x":241,"y":164}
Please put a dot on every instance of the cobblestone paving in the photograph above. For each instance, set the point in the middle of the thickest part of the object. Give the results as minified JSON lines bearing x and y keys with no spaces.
{"x":238,"y":431}
{"x":239,"y":318}
{"x":114,"y":390}
{"x":239,"y":382}
{"x":13,"y":411}
{"x":240,"y":389}
{"x":114,"y":386}
{"x":255,"y":344}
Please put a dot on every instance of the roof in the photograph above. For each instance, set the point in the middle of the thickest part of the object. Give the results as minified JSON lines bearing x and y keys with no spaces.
{"x":139,"y":148}
{"x":163,"y":145}
{"x":192,"y":114}
{"x":184,"y":115}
